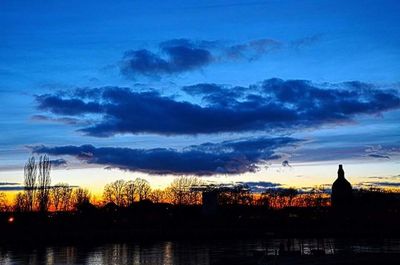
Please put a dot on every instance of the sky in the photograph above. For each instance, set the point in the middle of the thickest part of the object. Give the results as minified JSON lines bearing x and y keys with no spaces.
{"x":270,"y":92}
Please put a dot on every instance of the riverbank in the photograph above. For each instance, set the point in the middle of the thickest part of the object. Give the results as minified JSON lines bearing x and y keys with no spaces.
{"x":179,"y":223}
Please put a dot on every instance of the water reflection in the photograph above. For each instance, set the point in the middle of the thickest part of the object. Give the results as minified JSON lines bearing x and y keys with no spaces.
{"x":186,"y":253}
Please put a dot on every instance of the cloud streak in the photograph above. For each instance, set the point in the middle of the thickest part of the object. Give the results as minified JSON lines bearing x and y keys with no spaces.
{"x":260,"y":186}
{"x":228,"y":157}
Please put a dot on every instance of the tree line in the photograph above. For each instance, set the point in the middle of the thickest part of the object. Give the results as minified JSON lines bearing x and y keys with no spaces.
{"x":40,"y":196}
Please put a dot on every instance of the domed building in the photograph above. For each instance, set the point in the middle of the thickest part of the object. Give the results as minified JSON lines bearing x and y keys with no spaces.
{"x":341,"y":191}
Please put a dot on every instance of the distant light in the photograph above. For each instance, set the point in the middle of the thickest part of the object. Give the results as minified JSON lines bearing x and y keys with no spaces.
{"x":11,"y":220}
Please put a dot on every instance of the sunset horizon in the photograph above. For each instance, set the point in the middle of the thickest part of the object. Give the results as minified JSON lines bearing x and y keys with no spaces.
{"x":170,"y":120}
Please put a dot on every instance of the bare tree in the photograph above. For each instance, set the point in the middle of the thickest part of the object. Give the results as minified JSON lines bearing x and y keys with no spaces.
{"x":21,"y":203}
{"x":80,"y":197}
{"x":60,"y":195}
{"x":158,"y":196}
{"x":44,"y":181}
{"x":238,"y":194}
{"x":30,"y":177}
{"x":66,"y":195}
{"x":115,"y":192}
{"x":181,"y":192}
{"x":263,"y":200}
{"x":289,"y":194}
{"x":3,"y":202}
{"x":142,"y":188}
{"x":130,"y":192}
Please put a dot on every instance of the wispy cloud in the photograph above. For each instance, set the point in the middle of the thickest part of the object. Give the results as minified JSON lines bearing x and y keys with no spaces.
{"x":63,"y":120}
{"x":387,"y":184}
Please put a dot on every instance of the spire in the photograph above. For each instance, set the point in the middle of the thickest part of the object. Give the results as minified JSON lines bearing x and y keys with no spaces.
{"x":340,"y":172}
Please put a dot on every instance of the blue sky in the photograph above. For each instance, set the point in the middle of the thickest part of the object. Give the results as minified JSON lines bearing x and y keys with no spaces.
{"x":219,"y":89}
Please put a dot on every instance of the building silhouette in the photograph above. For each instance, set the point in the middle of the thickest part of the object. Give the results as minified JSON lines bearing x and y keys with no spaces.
{"x":341,"y":191}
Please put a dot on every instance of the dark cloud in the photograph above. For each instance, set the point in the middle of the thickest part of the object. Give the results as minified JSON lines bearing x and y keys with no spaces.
{"x":175,"y":56}
{"x":183,"y":55}
{"x":285,"y":163}
{"x":381,"y":184}
{"x":8,"y":183}
{"x":259,"y":186}
{"x":228,"y":157}
{"x":274,"y":104}
{"x":11,"y":188}
{"x":216,"y":95}
{"x":57,"y":105}
{"x":58,"y":162}
{"x":18,"y":187}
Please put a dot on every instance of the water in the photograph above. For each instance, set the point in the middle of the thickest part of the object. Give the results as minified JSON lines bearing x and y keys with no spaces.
{"x":186,"y":253}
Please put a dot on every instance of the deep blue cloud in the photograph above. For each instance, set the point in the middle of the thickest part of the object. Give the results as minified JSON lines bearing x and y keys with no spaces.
{"x":58,"y":162}
{"x":274,"y":104}
{"x":182,"y":55}
{"x":56,"y":105}
{"x":11,"y":188}
{"x":228,"y":157}
{"x":214,"y":94}
{"x":174,"y":57}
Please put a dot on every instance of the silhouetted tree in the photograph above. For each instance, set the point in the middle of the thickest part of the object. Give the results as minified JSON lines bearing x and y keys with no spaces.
{"x":44,"y":181}
{"x":142,"y":188}
{"x":21,"y":202}
{"x":30,"y":177}
{"x":320,"y":196}
{"x":80,"y":196}
{"x":130,"y":192}
{"x":115,"y":192}
{"x":181,"y":190}
{"x":238,"y":194}
{"x":158,"y":196}
{"x":61,"y":196}
{"x":263,"y":200}
{"x":3,"y":202}
{"x":289,"y":194}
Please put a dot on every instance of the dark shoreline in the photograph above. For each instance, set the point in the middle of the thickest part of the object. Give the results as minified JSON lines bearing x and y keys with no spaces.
{"x":190,"y":224}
